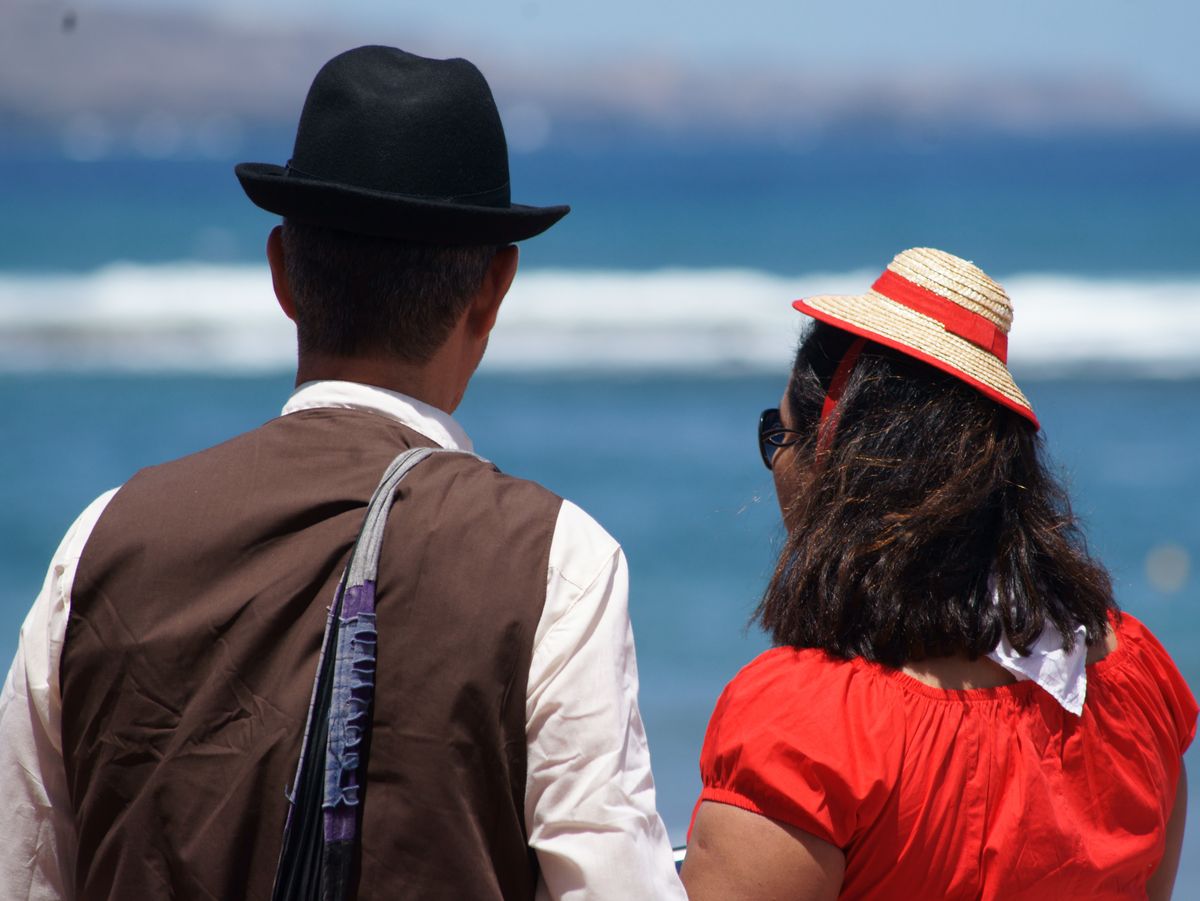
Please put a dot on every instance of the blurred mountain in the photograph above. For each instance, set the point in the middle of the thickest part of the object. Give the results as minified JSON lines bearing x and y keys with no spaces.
{"x":100,"y":82}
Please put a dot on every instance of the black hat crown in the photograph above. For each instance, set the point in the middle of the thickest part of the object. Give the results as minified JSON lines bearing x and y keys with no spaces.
{"x":397,"y":145}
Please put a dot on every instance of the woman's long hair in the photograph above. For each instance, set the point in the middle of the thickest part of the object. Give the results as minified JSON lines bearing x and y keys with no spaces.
{"x":926,"y":524}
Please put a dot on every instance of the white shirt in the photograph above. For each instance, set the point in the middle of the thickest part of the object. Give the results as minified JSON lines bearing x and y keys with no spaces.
{"x":589,"y":793}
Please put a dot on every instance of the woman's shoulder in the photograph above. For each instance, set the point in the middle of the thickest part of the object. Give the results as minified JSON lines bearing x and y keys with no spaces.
{"x":806,"y":739}
{"x":786,"y":675}
{"x":1134,"y":651}
{"x":805,"y":700}
{"x":1139,"y":680}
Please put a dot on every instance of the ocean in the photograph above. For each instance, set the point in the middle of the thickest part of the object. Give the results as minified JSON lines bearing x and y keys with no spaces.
{"x":643,"y":337}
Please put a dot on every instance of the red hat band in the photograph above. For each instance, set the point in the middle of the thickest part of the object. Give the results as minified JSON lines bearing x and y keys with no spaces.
{"x":964,"y":323}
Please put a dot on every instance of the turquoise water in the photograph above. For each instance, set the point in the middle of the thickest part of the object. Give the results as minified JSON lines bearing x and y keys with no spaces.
{"x":667,"y":463}
{"x":1079,"y":204}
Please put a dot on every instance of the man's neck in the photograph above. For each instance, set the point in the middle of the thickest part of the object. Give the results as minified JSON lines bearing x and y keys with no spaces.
{"x":425,"y":383}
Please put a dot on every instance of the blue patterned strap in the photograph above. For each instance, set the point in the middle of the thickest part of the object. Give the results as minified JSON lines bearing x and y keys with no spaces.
{"x":317,"y":856}
{"x":354,"y":669}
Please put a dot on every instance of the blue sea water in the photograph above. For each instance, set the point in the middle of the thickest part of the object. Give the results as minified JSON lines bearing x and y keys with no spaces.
{"x":1091,"y":203}
{"x":666,"y":459}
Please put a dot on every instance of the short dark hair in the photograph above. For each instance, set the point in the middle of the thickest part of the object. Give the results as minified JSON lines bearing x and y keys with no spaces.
{"x":356,"y":294}
{"x":928,"y":497}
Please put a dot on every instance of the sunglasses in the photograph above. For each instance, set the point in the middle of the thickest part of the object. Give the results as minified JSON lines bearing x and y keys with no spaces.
{"x":772,"y":436}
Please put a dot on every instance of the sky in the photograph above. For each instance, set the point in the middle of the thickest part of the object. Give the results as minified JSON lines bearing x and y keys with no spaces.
{"x":1146,"y":46}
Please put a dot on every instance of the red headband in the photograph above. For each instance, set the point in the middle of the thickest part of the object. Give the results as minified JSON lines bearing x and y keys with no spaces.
{"x":837,"y":385}
{"x":977,"y":329}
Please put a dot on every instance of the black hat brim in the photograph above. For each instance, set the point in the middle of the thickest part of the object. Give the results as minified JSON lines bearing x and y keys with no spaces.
{"x":385,"y":215}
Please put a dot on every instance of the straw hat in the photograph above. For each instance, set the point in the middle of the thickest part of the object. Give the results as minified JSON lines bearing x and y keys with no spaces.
{"x":938,"y":308}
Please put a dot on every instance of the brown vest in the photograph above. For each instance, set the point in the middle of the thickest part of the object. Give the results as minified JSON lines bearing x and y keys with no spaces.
{"x":196,"y":623}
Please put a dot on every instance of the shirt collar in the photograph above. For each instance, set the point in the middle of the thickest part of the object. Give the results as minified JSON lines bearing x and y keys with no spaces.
{"x":431,"y":422}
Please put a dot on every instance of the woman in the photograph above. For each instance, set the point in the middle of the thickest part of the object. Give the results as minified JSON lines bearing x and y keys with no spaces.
{"x":955,"y":707}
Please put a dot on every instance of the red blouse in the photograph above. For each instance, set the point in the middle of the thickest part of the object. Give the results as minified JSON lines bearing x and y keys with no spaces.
{"x":984,"y":793}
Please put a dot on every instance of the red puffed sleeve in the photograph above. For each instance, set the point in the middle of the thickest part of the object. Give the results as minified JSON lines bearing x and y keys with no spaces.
{"x":807,"y":740}
{"x":1177,"y":698}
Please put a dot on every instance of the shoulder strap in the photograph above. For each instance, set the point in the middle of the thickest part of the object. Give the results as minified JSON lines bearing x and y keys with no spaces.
{"x":321,"y":832}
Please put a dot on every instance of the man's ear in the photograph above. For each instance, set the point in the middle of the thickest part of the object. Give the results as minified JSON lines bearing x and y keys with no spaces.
{"x":279,"y":279}
{"x":481,"y":316}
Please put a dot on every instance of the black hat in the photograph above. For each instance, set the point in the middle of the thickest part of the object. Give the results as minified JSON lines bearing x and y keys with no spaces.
{"x":399,"y":146}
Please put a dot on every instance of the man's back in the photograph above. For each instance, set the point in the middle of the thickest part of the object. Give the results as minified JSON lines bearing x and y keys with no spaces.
{"x":506,"y":737}
{"x":196,"y":624}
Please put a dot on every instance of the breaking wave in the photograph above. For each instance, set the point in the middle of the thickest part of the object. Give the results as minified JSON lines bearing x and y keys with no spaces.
{"x":206,"y":318}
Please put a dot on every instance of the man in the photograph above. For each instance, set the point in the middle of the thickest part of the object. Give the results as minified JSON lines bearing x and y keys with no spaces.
{"x":155,"y":710}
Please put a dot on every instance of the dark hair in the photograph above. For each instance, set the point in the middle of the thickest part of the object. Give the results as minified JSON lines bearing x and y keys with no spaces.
{"x":356,"y":294}
{"x":926,"y":496}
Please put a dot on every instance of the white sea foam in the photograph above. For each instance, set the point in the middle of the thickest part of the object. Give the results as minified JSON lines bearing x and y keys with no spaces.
{"x":223,"y":318}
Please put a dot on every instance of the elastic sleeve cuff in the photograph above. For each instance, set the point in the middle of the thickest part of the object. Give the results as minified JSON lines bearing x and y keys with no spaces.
{"x":791,"y":817}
